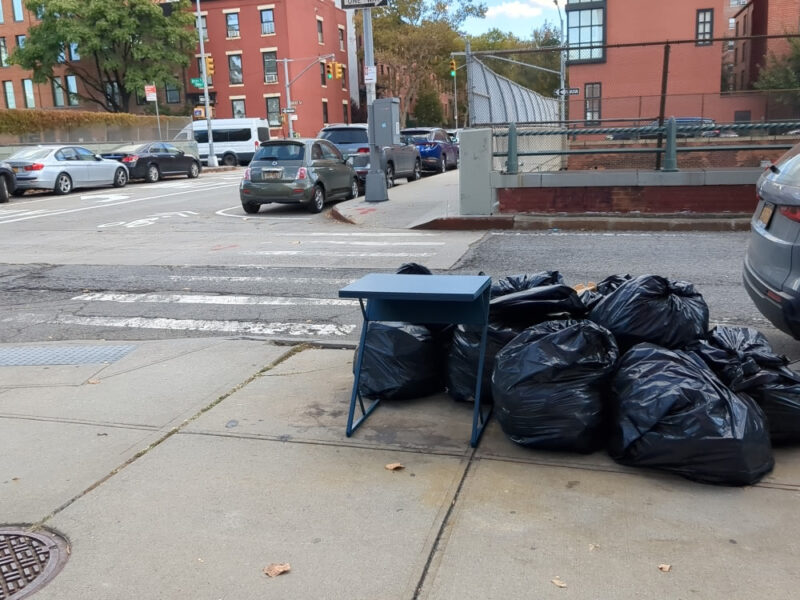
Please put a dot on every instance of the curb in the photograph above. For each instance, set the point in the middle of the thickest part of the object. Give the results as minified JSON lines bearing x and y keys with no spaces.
{"x":581,"y":222}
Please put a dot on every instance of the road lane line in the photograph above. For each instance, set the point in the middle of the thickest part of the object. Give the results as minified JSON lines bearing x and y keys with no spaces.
{"x":332,"y":254}
{"x":256,"y":279}
{"x":212,"y":299}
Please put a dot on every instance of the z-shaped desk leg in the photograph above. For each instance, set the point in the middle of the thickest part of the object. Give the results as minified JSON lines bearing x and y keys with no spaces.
{"x":365,"y":412}
{"x":479,"y":418}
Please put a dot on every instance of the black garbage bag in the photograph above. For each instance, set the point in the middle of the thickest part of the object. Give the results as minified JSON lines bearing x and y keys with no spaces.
{"x":509,"y":315}
{"x":517,"y":283}
{"x":591,"y":297}
{"x":671,"y":412}
{"x":550,"y":385}
{"x":413,"y":268}
{"x":653,"y":309}
{"x":744,"y":361}
{"x":401,"y":361}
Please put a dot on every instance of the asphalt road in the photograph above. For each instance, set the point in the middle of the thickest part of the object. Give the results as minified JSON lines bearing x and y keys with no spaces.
{"x":180,"y":258}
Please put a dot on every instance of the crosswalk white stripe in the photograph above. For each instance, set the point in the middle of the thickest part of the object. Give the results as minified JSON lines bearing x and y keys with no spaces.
{"x":256,"y":279}
{"x":351,"y":234}
{"x":353,"y":243}
{"x":333,"y":254}
{"x":230,"y":327}
{"x":212,"y":299}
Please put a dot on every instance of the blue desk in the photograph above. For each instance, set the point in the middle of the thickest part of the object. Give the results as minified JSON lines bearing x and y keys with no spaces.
{"x":441,"y":299}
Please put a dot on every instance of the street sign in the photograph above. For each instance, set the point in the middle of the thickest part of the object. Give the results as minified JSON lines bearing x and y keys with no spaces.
{"x":288,"y":110}
{"x":150,"y":93}
{"x":370,"y":74}
{"x":568,"y":92}
{"x":363,"y":3}
{"x":197,"y":82}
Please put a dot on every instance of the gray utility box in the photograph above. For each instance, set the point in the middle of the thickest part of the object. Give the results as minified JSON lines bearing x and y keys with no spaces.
{"x":384,"y":126}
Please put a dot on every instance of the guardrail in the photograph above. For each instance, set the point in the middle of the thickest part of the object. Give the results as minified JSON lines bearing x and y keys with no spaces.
{"x":668,"y":132}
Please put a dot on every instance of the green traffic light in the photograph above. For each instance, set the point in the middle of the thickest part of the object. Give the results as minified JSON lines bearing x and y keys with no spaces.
{"x":452,"y":73}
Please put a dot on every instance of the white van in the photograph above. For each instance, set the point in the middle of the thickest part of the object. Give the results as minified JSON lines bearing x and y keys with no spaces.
{"x":235,"y":140}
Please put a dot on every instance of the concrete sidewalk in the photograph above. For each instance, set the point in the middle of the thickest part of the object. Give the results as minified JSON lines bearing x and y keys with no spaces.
{"x":182,"y":468}
{"x":434,"y":204}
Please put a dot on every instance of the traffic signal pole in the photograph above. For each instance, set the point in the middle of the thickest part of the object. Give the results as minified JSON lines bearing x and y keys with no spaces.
{"x":212,"y":158}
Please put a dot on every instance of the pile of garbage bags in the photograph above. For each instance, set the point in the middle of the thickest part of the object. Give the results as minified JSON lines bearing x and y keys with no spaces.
{"x":627,"y":365}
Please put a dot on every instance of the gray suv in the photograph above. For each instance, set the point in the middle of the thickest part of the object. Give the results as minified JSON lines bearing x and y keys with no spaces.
{"x":398,"y":160}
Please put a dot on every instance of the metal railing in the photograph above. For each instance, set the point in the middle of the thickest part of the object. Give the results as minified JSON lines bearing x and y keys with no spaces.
{"x":668,"y":133}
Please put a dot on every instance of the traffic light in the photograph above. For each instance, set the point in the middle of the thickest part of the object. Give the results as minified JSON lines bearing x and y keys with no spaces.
{"x":209,"y":66}
{"x":452,"y":67}
{"x":337,"y":70}
{"x":329,"y":70}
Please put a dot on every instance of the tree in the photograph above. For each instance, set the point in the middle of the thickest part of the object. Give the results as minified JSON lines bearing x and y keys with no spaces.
{"x":781,"y":72}
{"x":114,"y":47}
{"x":428,"y":109}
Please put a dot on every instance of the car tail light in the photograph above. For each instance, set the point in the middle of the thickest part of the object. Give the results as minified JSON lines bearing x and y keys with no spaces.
{"x":132,"y":158}
{"x":774,"y":297}
{"x":791,"y":212}
{"x":362,"y":151}
{"x":34,"y":167}
{"x":246,"y":174}
{"x":301,"y":173}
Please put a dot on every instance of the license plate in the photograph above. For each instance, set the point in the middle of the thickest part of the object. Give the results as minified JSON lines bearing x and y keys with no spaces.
{"x":766,"y":214}
{"x":270,"y":175}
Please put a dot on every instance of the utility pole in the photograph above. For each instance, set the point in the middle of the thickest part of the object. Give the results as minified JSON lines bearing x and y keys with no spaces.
{"x":562,"y":71}
{"x":369,"y":58}
{"x":212,"y":158}
{"x":288,"y":97}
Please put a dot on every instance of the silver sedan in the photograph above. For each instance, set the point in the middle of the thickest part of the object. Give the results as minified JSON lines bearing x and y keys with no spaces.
{"x":64,"y":168}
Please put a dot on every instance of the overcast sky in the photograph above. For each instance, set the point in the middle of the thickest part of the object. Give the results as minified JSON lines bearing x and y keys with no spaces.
{"x":520,"y":17}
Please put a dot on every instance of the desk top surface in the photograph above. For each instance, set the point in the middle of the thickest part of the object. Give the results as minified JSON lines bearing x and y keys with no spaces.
{"x":391,"y":286}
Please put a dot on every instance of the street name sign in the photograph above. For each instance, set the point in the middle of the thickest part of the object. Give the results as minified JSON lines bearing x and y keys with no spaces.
{"x":288,"y":110}
{"x":363,"y":3}
{"x":197,"y":82}
{"x":568,"y":91}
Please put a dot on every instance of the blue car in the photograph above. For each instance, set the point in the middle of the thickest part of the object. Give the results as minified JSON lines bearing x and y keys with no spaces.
{"x":436,"y":148}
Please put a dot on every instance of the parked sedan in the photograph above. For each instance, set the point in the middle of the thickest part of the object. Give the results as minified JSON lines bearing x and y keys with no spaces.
{"x":297,"y":171}
{"x":154,"y":160}
{"x":772,"y":263}
{"x":437,"y":150}
{"x":64,"y":168}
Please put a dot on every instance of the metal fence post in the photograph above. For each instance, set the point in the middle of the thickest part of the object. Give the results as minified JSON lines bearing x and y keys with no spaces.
{"x":671,"y":151}
{"x":512,"y":164}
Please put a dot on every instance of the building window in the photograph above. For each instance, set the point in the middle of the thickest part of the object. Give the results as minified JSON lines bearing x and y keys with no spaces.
{"x":345,"y":112}
{"x":17,"y":6}
{"x":62,"y":57}
{"x":27,"y":89}
{"x":323,"y":80}
{"x":73,"y":51}
{"x":270,"y":67}
{"x":320,"y":37}
{"x":2,"y":19}
{"x":705,"y":29}
{"x":267,"y":22}
{"x":204,"y":28}
{"x":341,"y":39}
{"x":344,"y":77}
{"x":591,"y":97}
{"x":209,"y":78}
{"x":3,"y":52}
{"x":72,"y":90}
{"x":8,"y":90}
{"x":20,"y":41}
{"x":325,"y":111}
{"x":232,"y":24}
{"x":141,"y":100}
{"x":237,"y":109}
{"x":113,"y":96}
{"x":235,"y":69}
{"x":586,"y":27}
{"x":58,"y":93}
{"x":173,"y":93}
{"x":274,"y":111}
{"x":731,"y":23}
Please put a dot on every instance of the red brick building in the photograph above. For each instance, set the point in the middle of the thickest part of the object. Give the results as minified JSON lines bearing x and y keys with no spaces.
{"x":705,"y":78}
{"x":250,"y":42}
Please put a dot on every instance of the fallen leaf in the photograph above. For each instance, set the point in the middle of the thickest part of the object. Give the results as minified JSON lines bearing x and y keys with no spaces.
{"x":93,"y":381}
{"x":275,"y":569}
{"x":200,"y":560}
{"x":394,"y":467}
{"x":593,"y":547}
{"x":558,"y":583}
{"x":665,"y":568}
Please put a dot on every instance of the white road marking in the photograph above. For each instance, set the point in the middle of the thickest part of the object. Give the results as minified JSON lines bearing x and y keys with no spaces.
{"x":351,"y":234}
{"x":211,"y":299}
{"x":337,"y":243}
{"x":329,"y":254}
{"x":231,"y":278}
{"x":224,"y":213}
{"x":230,"y":327}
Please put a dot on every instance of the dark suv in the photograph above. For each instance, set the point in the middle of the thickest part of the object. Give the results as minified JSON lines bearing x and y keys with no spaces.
{"x":399,"y":160}
{"x":8,"y":181}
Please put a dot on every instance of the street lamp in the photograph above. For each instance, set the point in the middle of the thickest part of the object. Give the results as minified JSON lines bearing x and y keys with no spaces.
{"x":212,"y":157}
{"x":562,"y":91}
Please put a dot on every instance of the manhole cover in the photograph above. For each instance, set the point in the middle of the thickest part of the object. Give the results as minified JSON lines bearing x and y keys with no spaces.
{"x":28,"y":561}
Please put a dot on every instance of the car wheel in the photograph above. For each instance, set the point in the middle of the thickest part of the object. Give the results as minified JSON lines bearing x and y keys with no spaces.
{"x":353,"y":189}
{"x":194,"y":170}
{"x":317,"y":200}
{"x":230,"y":160}
{"x":389,"y":175}
{"x":63,"y":184}
{"x":152,"y":174}
{"x":250,"y":208}
{"x":417,"y":172}
{"x":443,"y":164}
{"x":120,"y":178}
{"x":3,"y":190}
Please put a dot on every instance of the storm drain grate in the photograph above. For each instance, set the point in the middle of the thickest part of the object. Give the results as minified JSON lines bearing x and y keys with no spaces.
{"x":30,"y":356}
{"x":28,"y":561}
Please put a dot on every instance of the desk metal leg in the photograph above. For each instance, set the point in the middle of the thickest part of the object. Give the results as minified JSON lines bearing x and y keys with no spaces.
{"x":479,"y":418}
{"x":351,"y":427}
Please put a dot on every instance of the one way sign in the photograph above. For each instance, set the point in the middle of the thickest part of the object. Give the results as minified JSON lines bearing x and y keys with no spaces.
{"x":363,"y":3}
{"x":568,"y":91}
